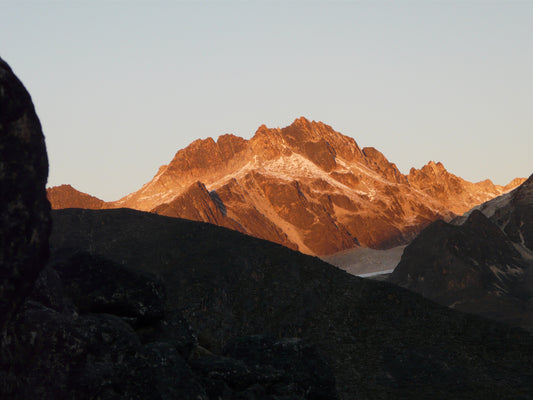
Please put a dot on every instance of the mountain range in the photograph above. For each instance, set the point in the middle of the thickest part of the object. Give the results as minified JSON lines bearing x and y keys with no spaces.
{"x":305,"y":186}
{"x":125,"y":304}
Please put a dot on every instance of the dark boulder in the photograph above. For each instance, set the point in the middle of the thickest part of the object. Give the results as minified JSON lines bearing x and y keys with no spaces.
{"x":98,"y":285}
{"x":303,"y":372}
{"x":60,"y":355}
{"x":164,"y":375}
{"x":24,"y":209}
{"x":50,"y":292}
{"x":174,"y":330}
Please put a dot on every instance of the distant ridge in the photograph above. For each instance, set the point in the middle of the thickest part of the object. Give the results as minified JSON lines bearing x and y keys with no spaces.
{"x":65,"y":196}
{"x":305,"y":186}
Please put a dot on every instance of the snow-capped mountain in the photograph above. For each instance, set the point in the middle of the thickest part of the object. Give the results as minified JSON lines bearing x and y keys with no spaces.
{"x":307,"y":187}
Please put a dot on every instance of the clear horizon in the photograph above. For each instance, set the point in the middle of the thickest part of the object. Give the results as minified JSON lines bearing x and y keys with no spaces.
{"x":120,"y":87}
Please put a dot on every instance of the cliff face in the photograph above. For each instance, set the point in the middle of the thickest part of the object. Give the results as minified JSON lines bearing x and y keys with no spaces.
{"x":307,"y":187}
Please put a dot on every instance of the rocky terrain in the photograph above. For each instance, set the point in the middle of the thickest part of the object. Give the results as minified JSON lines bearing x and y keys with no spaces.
{"x":65,"y":196}
{"x":141,"y":306}
{"x":481,"y":263}
{"x":380,"y":340}
{"x":84,"y":327}
{"x":305,"y":186}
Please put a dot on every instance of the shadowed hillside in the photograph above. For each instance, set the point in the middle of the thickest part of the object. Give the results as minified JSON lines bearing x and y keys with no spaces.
{"x":383,"y":341}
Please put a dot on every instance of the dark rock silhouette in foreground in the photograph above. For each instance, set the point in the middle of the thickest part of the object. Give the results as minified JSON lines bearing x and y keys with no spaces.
{"x":382,"y":341}
{"x":24,"y":210}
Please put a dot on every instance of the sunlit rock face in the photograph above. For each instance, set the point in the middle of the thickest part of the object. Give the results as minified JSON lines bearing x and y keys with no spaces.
{"x":65,"y":196}
{"x":307,"y":187}
{"x":24,"y":210}
{"x":453,"y":192}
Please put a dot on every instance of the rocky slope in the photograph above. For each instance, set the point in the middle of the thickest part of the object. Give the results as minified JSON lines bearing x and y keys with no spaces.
{"x":453,"y":192}
{"x":482,"y":263}
{"x":85,"y":327}
{"x":65,"y":196}
{"x":381,"y":341}
{"x":307,"y":187}
{"x":513,"y":214}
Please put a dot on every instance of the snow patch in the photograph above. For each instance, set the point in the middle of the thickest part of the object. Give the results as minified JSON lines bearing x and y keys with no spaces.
{"x":366,"y":262}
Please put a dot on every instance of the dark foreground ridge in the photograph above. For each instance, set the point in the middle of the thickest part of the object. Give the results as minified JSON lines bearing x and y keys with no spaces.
{"x":381,"y":341}
{"x":108,"y":316}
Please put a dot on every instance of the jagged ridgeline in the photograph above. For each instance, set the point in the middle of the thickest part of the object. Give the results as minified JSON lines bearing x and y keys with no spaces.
{"x":141,"y":306}
{"x":305,"y":186}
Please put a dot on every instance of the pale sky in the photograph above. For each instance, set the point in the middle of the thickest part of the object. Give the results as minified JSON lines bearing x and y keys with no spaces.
{"x":121,"y":86}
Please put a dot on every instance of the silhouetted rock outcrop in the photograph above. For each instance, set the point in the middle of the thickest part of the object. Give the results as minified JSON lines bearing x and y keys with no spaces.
{"x":24,"y":210}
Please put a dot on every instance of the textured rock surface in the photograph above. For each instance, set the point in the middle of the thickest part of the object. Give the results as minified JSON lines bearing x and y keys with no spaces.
{"x":513,"y":214}
{"x":306,"y":187}
{"x":79,"y":336}
{"x":97,"y":285}
{"x":65,"y":196}
{"x":24,"y":210}
{"x":453,"y":192}
{"x":311,"y":376}
{"x":473,"y":267}
{"x":382,"y":341}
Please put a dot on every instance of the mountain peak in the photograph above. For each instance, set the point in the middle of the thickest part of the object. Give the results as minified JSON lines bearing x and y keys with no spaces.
{"x":66,"y":196}
{"x":435,"y":166}
{"x":305,"y":186}
{"x":302,"y":121}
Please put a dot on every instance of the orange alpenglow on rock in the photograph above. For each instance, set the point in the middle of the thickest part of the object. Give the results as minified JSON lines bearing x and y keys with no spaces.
{"x":305,"y":186}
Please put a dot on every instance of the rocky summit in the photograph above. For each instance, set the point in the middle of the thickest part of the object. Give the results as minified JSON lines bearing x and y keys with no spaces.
{"x":305,"y":186}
